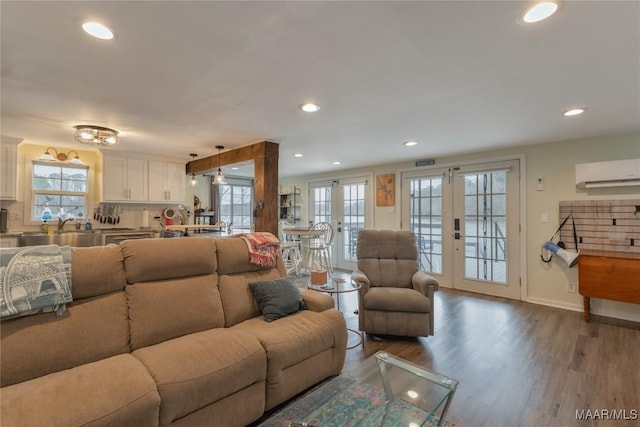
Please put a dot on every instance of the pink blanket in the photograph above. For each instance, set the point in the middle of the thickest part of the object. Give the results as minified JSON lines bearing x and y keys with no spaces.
{"x":263,"y":248}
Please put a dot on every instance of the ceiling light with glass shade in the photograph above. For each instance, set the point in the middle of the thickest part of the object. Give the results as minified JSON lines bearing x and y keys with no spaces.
{"x":219,"y":179}
{"x":194,"y":180}
{"x":96,"y":135}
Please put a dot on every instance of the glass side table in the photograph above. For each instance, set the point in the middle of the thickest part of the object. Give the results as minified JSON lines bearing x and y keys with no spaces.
{"x":341,"y":286}
{"x":415,"y":396}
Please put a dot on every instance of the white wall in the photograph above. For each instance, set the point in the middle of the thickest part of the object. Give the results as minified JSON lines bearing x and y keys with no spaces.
{"x":555,"y":163}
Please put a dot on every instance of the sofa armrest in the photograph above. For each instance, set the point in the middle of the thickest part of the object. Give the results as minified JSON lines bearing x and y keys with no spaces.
{"x":361,"y":279}
{"x":317,"y":301}
{"x":422,"y":281}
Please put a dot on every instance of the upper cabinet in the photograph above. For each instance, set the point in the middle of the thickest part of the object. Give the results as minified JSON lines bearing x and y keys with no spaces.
{"x":166,"y":182}
{"x":8,"y":167}
{"x":125,"y":179}
{"x":142,"y":181}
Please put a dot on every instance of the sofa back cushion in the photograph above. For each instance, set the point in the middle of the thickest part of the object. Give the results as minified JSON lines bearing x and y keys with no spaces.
{"x":88,"y":331}
{"x":173,"y":288}
{"x":97,"y":271}
{"x":387,"y":258}
{"x":147,"y":260}
{"x":233,"y":257}
{"x":94,"y":326}
{"x":236,"y":272}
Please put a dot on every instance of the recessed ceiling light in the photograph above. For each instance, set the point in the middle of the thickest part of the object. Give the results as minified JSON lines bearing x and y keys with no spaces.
{"x":309,"y":108}
{"x":574,"y":112}
{"x":297,"y":155}
{"x":97,"y":30}
{"x":235,"y":168}
{"x":336,"y":163}
{"x":410,"y":143}
{"x":539,"y":12}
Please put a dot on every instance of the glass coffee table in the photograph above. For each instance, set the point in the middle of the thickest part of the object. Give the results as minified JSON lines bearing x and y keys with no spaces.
{"x":384,"y":390}
{"x":414,"y":396}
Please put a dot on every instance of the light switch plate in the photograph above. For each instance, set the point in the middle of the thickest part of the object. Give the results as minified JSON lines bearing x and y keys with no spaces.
{"x":540,"y":184}
{"x":544,"y":217}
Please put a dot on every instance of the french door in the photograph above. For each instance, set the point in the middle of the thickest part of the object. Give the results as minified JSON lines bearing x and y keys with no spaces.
{"x":467,"y":225}
{"x":346,"y":204}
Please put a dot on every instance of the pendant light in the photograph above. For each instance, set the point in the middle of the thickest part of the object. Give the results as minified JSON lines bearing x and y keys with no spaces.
{"x":219,"y":178}
{"x":194,"y":180}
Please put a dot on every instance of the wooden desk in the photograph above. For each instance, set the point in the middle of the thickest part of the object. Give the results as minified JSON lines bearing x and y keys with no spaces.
{"x":608,"y":275}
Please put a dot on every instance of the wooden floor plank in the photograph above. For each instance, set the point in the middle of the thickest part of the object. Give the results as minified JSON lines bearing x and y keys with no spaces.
{"x":520,"y":364}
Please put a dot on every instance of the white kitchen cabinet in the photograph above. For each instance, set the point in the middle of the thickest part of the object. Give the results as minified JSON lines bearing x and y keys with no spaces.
{"x":166,"y":182}
{"x":125,"y":179}
{"x":9,"y":172}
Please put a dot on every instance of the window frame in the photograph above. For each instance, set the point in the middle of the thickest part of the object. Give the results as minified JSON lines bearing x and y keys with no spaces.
{"x":29,"y":193}
{"x":237,"y":182}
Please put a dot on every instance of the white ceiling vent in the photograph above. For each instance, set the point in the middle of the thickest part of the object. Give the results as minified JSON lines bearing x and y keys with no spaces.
{"x":617,"y":173}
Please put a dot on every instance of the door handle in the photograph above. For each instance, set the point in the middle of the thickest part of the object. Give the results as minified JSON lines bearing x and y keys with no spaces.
{"x":457,"y":235}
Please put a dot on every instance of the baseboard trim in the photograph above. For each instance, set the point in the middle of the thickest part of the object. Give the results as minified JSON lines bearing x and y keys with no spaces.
{"x":579,"y":307}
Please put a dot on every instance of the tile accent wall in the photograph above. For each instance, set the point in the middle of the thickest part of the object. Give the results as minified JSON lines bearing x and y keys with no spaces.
{"x":606,"y":225}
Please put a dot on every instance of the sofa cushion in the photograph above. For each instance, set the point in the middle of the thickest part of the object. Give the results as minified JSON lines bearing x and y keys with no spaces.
{"x":396,"y":299}
{"x":90,"y":330}
{"x":297,"y":337}
{"x":233,"y":257}
{"x":237,"y":300}
{"x":302,"y":349}
{"x":117,"y":391}
{"x":96,"y":271}
{"x":277,"y":298}
{"x":167,"y":309}
{"x":147,"y":260}
{"x":196,"y":370}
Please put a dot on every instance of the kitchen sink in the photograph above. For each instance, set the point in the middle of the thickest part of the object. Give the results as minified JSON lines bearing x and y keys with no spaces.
{"x":70,"y":238}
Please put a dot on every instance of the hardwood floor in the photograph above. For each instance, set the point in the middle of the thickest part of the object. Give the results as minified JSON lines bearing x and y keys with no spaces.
{"x":522,"y":364}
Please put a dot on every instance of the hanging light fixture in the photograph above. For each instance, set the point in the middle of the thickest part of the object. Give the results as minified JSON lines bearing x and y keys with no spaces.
{"x":194,"y":180}
{"x":61,"y":156}
{"x":219,"y":178}
{"x":98,"y":135}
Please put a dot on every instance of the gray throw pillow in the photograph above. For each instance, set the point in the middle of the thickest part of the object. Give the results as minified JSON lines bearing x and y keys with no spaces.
{"x":277,"y":298}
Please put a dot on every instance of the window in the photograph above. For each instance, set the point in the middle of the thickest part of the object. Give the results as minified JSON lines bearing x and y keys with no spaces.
{"x":426,"y":220}
{"x":236,"y":201}
{"x":60,"y":187}
{"x":321,"y":203}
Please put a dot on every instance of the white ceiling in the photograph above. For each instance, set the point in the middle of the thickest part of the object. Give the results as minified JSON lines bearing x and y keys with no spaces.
{"x":182,"y":77}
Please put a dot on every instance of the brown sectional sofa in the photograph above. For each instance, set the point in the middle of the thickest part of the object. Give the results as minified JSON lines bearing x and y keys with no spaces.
{"x":164,"y":332}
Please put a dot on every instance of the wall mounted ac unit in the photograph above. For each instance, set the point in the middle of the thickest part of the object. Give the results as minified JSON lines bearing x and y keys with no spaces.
{"x":617,"y":173}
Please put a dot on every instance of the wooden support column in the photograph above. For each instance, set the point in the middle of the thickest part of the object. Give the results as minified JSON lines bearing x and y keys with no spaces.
{"x":265,"y":191}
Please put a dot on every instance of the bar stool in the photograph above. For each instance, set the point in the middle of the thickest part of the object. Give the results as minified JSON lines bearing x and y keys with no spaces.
{"x":320,"y":238}
{"x":290,"y":250}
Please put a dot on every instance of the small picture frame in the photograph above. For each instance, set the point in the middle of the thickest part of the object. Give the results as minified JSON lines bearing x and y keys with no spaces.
{"x":386,"y":190}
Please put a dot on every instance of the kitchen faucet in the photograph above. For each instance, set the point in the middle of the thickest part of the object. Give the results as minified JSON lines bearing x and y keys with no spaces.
{"x":67,"y":218}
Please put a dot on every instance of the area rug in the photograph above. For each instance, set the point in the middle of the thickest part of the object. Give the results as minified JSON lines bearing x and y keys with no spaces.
{"x":345,"y":402}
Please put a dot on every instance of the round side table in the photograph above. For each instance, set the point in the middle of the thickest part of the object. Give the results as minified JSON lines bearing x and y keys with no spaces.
{"x":341,"y":286}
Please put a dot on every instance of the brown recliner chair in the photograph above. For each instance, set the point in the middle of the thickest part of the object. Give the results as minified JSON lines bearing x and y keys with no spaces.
{"x":395,"y":297}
